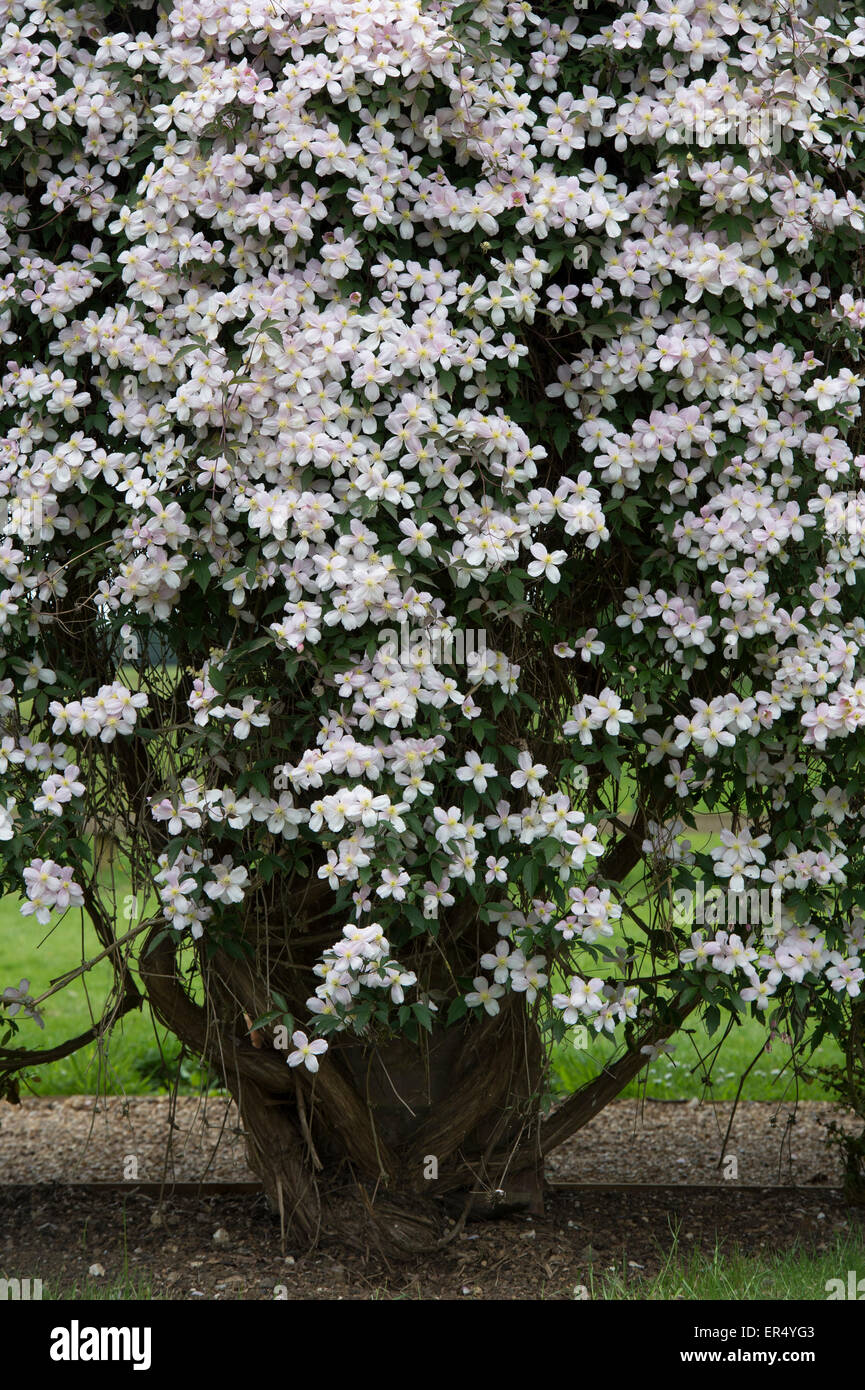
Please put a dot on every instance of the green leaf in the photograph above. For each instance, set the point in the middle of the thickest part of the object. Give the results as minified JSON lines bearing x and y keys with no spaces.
{"x":423,"y":1015}
{"x":530,"y":877}
{"x":515,"y":587}
{"x":457,"y":1010}
{"x":562,"y":437}
{"x":610,"y":761}
{"x":201,"y":570}
{"x":419,"y":924}
{"x":264,"y":1020}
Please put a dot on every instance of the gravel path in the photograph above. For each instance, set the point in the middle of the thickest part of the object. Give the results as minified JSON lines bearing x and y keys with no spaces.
{"x":89,"y":1139}
{"x":682,"y":1142}
{"x":116,"y":1139}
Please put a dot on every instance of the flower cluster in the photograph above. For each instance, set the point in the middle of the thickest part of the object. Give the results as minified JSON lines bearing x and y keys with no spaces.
{"x":181,"y":882}
{"x":111,"y":711}
{"x":537,"y":323}
{"x":17,"y":998}
{"x":360,"y":957}
{"x":605,"y":1005}
{"x":49,"y":888}
{"x":799,"y":955}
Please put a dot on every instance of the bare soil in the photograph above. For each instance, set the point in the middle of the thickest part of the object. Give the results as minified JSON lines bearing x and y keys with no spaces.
{"x":205,"y":1246}
{"x":168,"y":1249}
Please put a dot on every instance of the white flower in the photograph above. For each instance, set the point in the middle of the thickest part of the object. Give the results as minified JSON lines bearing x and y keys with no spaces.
{"x":486,"y":994}
{"x":476,"y":772}
{"x":229,"y":884}
{"x":305,"y":1051}
{"x":546,"y":563}
{"x":528,"y":774}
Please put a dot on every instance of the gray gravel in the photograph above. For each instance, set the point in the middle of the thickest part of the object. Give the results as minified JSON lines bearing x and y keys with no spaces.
{"x":116,"y":1139}
{"x":682,"y":1142}
{"x":90,"y":1139}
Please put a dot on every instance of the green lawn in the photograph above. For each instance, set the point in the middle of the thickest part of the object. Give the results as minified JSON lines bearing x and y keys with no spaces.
{"x":795,"y":1274}
{"x":42,"y":953}
{"x":131,"y":1061}
{"x":681,"y":1075}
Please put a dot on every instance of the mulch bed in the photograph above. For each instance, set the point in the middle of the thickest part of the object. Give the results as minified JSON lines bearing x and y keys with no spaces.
{"x":57,"y":1235}
{"x":86,"y":1139}
{"x":209,"y":1246}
